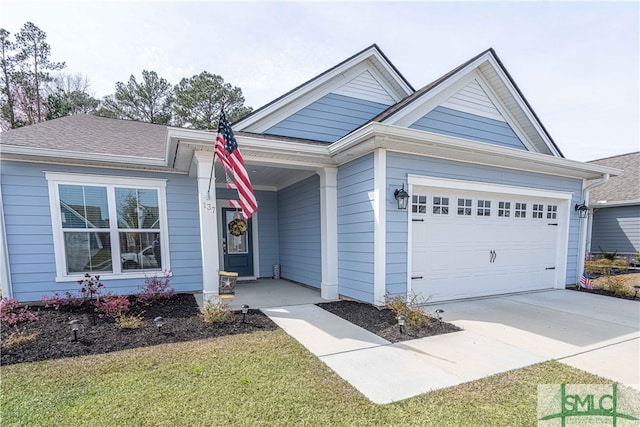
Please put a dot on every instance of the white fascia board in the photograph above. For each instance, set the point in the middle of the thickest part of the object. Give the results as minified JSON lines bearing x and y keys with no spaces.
{"x":614,"y":204}
{"x":516,"y":95}
{"x":308,"y":92}
{"x":402,"y":139}
{"x":27,"y":153}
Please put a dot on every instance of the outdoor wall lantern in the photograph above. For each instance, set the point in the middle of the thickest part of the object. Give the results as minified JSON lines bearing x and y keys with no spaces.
{"x":582,"y":210}
{"x":245,"y":310}
{"x":402,"y":197}
{"x":159,"y":321}
{"x":439,"y":314}
{"x":74,"y":325}
{"x":401,"y":320}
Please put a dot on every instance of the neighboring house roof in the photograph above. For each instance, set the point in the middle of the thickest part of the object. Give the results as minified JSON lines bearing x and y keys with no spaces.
{"x":621,"y":189}
{"x":91,"y":134}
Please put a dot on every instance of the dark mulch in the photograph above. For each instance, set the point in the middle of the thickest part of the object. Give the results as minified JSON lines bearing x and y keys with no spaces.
{"x":599,"y":291}
{"x":55,"y":340}
{"x":382,"y":322}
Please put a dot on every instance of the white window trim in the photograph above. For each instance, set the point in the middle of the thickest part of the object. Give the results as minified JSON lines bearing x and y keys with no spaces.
{"x":54,"y":179}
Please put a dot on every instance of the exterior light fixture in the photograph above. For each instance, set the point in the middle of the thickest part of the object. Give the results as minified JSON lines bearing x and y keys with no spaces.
{"x":245,"y":310}
{"x":74,"y":325}
{"x":159,"y":321}
{"x":401,"y":320}
{"x":582,"y":210}
{"x":439,"y":314}
{"x":402,"y":197}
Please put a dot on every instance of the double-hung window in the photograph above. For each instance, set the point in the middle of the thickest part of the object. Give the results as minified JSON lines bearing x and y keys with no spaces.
{"x":111,"y":226}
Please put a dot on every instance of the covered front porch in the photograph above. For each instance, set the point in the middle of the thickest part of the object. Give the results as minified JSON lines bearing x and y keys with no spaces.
{"x":265,"y":293}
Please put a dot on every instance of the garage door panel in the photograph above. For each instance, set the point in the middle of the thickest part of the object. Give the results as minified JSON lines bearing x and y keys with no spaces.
{"x":460,"y":256}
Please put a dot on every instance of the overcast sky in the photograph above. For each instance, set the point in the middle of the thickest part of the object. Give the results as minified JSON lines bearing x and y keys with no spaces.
{"x":577,"y":63}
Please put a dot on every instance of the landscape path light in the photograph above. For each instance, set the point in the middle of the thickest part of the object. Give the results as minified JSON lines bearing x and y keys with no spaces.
{"x":401,"y":320}
{"x":245,"y":310}
{"x":159,"y":321}
{"x":439,"y":314}
{"x":74,"y":325}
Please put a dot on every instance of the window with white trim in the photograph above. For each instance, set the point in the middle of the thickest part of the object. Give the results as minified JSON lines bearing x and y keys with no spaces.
{"x":484,"y":208}
{"x":419,"y":204}
{"x":440,"y":205}
{"x":465,"y":206}
{"x":520,"y":210}
{"x":504,"y":209}
{"x":552,"y":211}
{"x":538,"y":211}
{"x":108,"y":225}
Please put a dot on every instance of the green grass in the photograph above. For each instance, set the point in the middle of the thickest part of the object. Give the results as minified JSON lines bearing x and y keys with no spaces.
{"x":264,"y":379}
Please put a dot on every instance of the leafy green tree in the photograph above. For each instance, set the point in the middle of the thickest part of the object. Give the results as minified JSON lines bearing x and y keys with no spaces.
{"x":8,"y":67}
{"x":148,"y":101}
{"x":69,"y":94}
{"x":198,"y":101}
{"x":33,"y":59}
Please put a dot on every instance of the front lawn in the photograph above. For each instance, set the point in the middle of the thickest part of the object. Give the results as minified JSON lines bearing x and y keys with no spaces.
{"x":263,"y":378}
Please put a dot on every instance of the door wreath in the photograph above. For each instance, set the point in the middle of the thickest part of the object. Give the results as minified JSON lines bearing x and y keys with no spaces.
{"x":238,"y":227}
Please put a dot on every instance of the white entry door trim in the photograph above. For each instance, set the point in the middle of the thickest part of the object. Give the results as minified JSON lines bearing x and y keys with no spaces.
{"x":561,"y":199}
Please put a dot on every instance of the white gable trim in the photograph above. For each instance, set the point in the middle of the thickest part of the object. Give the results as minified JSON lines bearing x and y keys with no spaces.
{"x":443,"y":92}
{"x":370,"y":60}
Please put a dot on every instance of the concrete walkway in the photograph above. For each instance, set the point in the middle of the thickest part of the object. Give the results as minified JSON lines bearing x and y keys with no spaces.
{"x":593,"y":333}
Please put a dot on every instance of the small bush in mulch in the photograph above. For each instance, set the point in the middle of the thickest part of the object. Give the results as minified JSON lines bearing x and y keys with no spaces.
{"x":50,"y":337}
{"x":383,"y":323}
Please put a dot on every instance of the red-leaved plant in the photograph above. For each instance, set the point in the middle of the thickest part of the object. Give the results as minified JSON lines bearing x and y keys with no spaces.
{"x":112,"y":305}
{"x":12,"y":313}
{"x":156,"y":289}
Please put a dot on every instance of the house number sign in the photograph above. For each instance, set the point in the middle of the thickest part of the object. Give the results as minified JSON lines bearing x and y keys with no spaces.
{"x":207,"y":206}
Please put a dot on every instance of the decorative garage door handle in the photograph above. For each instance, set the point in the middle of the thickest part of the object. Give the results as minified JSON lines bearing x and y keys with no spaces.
{"x":417,"y":277}
{"x":492,"y":256}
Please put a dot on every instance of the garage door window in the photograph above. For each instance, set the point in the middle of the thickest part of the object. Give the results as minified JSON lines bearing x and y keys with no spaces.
{"x":520,"y":210}
{"x":465,"y":207}
{"x":440,"y":205}
{"x":504,"y":209}
{"x":538,"y":211}
{"x":552,"y":212}
{"x":419,"y":204}
{"x":484,"y":207}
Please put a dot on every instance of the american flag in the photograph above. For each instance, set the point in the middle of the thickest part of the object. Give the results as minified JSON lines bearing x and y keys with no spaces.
{"x":233,"y":164}
{"x":585,"y":282}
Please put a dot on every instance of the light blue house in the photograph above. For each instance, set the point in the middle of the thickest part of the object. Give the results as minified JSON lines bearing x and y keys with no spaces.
{"x":491,"y":204}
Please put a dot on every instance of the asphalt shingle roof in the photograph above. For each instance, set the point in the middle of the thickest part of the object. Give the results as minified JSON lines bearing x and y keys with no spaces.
{"x":625,"y":186}
{"x":86,"y":133}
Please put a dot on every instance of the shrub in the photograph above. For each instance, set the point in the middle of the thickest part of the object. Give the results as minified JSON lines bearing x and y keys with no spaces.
{"x":621,"y":264}
{"x":616,"y":285}
{"x":59,"y":302}
{"x":18,"y":337}
{"x":112,"y":306}
{"x":156,"y":289}
{"x":125,"y":321}
{"x":12,"y":313}
{"x":217,"y":312}
{"x":601,"y":266}
{"x":608,"y":255}
{"x":407,"y":306}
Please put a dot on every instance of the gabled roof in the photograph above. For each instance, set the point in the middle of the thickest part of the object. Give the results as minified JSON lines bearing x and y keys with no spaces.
{"x":371,"y":60}
{"x":487,"y":68}
{"x":622,"y":188}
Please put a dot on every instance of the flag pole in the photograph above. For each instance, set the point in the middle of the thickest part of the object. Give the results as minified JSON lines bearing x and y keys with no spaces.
{"x":214,"y":152}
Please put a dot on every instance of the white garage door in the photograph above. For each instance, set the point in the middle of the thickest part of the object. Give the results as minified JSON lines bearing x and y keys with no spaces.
{"x":469,"y":244}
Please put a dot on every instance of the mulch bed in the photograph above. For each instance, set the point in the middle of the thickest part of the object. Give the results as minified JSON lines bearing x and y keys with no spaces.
{"x":382,"y":322}
{"x":55,"y":340}
{"x":599,"y":291}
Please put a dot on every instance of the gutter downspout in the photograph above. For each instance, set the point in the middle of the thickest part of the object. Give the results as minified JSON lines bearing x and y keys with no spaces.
{"x":585,"y":224}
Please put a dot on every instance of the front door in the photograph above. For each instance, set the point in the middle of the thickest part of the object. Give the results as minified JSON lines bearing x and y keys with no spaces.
{"x":237,"y":243}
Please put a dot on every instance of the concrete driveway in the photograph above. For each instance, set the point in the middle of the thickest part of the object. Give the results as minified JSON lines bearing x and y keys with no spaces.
{"x":594,"y":333}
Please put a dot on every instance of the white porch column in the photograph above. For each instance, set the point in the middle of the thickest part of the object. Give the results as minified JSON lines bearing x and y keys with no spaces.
{"x":329,"y":231}
{"x":380,"y":232}
{"x":208,"y":225}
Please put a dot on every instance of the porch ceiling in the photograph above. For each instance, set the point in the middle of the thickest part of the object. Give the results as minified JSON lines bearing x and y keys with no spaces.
{"x":267,"y":177}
